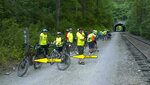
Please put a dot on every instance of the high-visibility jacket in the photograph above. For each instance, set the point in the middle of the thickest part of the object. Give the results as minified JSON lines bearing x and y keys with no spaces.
{"x":70,"y":37}
{"x":59,"y":42}
{"x":95,"y":32}
{"x":80,"y":40}
{"x":83,"y":33}
{"x":91,"y":37}
{"x":104,"y":32}
{"x":43,"y":39}
{"x":79,"y":33}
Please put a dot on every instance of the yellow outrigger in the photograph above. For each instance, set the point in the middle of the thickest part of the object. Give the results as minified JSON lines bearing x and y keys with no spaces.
{"x":56,"y":60}
{"x":85,"y":56}
{"x":47,"y":60}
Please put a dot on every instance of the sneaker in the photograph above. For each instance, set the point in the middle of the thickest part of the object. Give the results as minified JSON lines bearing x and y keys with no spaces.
{"x":81,"y":63}
{"x":91,"y":53}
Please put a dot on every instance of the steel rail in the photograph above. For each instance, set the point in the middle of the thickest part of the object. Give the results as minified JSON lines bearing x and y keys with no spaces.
{"x":136,"y":48}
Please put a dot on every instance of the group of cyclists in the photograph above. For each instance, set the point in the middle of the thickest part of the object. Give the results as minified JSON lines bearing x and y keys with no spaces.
{"x":81,"y":39}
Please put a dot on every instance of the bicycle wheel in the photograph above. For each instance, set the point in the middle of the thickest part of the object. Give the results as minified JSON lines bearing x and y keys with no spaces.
{"x":51,"y":56}
{"x":75,"y":50}
{"x":66,"y":61}
{"x":54,"y":54}
{"x":22,"y":67}
{"x":37,"y":65}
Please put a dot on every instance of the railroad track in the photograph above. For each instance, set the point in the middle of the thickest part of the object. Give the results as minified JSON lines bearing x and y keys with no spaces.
{"x":142,"y":60}
{"x":140,"y":40}
{"x":128,"y":37}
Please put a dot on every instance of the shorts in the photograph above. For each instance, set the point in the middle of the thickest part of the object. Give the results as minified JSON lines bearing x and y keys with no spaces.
{"x":45,"y":47}
{"x":95,"y":41}
{"x":81,"y":50}
{"x":91,"y":45}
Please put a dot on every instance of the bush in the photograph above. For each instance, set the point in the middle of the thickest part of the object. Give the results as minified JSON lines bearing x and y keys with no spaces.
{"x":12,"y":38}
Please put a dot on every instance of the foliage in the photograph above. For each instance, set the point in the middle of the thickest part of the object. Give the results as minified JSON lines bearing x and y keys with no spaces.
{"x":120,"y":11}
{"x":137,"y":15}
{"x":139,"y":18}
{"x":15,"y":15}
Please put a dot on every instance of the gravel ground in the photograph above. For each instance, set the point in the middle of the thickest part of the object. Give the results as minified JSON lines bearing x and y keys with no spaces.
{"x":115,"y":66}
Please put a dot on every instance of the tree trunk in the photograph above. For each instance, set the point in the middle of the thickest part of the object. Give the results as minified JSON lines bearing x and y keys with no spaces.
{"x":57,"y":13}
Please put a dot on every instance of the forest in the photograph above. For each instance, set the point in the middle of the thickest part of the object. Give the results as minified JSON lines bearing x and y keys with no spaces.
{"x":58,"y":15}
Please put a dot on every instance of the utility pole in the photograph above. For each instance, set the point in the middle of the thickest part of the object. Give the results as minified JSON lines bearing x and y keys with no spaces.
{"x":27,"y":44}
{"x":26,"y":39}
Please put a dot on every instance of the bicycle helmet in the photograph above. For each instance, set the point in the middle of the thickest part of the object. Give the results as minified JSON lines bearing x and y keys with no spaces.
{"x":44,"y":30}
{"x":70,"y":29}
{"x":67,"y":30}
{"x":59,"y":33}
{"x":80,"y":29}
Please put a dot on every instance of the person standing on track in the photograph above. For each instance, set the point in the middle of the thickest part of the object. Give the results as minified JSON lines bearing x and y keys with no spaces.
{"x":95,"y":39}
{"x":44,"y":40}
{"x":104,"y":34}
{"x":84,"y":34}
{"x":70,"y":36}
{"x":108,"y":34}
{"x":90,"y":40}
{"x":59,"y":42}
{"x":70,"y":39}
{"x":80,"y":45}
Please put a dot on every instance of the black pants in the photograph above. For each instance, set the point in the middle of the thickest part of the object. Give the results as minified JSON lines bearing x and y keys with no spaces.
{"x":59,"y":49}
{"x":81,"y":50}
{"x":45,"y":47}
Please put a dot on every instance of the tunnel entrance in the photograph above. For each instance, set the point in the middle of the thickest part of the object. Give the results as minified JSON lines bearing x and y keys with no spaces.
{"x":119,"y":27}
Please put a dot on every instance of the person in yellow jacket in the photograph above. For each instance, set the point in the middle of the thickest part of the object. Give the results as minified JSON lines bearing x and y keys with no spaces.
{"x":104,"y":33}
{"x":69,"y":40}
{"x":59,"y":42}
{"x":95,"y":38}
{"x":70,"y":36}
{"x":91,"y":42}
{"x":80,"y":45}
{"x":44,"y":40}
{"x":79,"y":32}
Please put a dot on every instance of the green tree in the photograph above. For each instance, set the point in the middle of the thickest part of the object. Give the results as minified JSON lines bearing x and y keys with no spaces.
{"x":56,"y":15}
